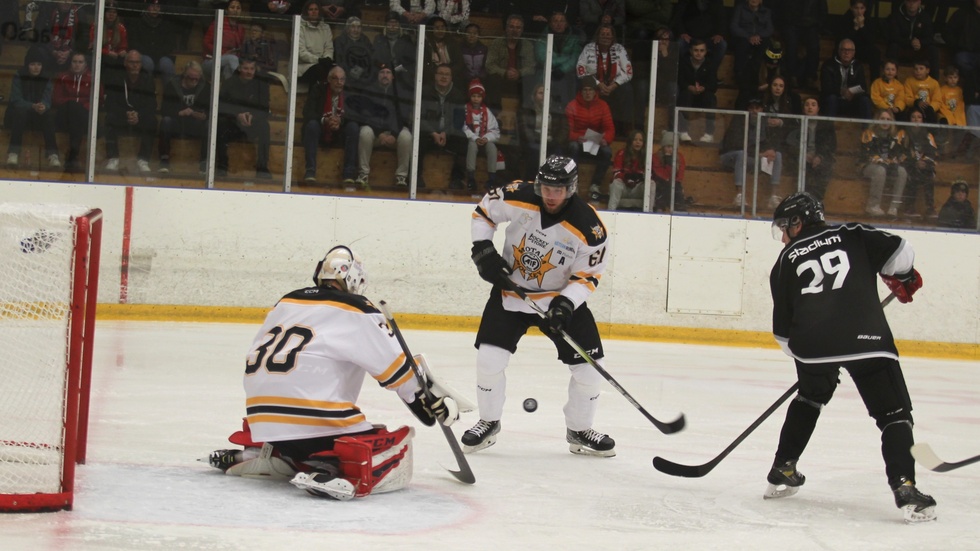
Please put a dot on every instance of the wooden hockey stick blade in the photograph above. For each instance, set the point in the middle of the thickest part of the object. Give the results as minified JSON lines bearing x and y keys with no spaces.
{"x":697,"y":471}
{"x":667,"y":428}
{"x":927,"y":458}
{"x":465,"y":473}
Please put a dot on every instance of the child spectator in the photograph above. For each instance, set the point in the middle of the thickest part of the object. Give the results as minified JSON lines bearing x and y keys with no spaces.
{"x":921,"y":148}
{"x":886,"y":91}
{"x":821,"y":148}
{"x":883,"y":156}
{"x":952,"y":109}
{"x":697,"y":84}
{"x":629,"y":171}
{"x":474,"y":53}
{"x":660,"y":170}
{"x":922,"y":91}
{"x":957,"y":212}
{"x":481,"y":130}
{"x":30,"y":107}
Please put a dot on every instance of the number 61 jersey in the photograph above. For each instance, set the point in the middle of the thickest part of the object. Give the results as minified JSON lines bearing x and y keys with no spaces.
{"x":305,"y":369}
{"x":549,"y":254}
{"x":825,"y":294}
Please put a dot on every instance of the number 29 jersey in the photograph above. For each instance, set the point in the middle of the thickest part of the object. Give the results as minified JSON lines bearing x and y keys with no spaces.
{"x":825,"y":294}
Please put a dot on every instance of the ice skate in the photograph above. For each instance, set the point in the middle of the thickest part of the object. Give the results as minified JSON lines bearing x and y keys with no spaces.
{"x":590,"y":442}
{"x":784,"y":480}
{"x":482,"y":435}
{"x":324,"y":485}
{"x":223,"y":459}
{"x":915,"y":505}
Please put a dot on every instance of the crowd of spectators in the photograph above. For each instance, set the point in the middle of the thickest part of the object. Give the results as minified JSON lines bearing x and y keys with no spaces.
{"x":358,"y":86}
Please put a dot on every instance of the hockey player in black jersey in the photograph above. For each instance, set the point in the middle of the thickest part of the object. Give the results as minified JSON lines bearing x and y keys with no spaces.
{"x":555,"y":250}
{"x":826,"y":315}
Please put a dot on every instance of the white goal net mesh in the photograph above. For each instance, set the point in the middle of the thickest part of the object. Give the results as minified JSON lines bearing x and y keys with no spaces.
{"x":36,"y":277}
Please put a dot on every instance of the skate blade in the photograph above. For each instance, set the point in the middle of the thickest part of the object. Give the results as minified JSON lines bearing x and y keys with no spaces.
{"x":776,"y":491}
{"x":579,"y":449}
{"x":491,"y":440}
{"x":337,"y":488}
{"x":915,"y":517}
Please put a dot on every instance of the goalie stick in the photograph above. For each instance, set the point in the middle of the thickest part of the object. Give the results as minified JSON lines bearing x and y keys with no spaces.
{"x":927,"y":458}
{"x":665,"y":427}
{"x":465,"y":473}
{"x":697,"y":471}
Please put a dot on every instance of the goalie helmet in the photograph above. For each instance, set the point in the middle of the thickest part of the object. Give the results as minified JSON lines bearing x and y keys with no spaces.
{"x":344,"y":266}
{"x":802,"y":208}
{"x":557,"y":171}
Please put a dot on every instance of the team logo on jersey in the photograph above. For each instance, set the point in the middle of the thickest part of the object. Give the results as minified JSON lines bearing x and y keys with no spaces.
{"x":531,"y":263}
{"x":598,"y":231}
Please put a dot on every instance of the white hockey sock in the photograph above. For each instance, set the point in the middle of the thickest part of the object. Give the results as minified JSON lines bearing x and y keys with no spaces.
{"x":583,"y":396}
{"x":491,"y":382}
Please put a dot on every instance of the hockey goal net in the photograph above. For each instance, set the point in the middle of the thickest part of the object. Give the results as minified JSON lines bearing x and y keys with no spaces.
{"x":49,"y":268}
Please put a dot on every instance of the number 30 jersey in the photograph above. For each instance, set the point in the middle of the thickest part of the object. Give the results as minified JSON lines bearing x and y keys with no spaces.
{"x":305,"y":368}
{"x":549,"y":254}
{"x":825,"y":294}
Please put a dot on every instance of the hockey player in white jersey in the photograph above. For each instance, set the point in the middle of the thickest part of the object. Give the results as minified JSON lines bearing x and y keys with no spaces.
{"x":303,"y":375}
{"x":826,"y":315}
{"x":555,"y":249}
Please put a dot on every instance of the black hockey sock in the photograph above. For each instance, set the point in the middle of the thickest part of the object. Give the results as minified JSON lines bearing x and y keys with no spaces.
{"x":801,"y":419}
{"x":896,"y":440}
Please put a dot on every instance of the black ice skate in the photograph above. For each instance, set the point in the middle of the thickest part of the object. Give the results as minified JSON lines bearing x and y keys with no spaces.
{"x":224,"y":459}
{"x":482,"y":435}
{"x":784,"y":480}
{"x":915,"y":505}
{"x":590,"y":442}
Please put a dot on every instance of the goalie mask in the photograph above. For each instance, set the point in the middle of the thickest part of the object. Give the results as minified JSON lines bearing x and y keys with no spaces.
{"x":344,"y":266}
{"x":801,"y":208}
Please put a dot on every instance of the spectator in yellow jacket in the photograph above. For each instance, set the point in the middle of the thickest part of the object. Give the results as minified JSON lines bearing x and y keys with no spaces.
{"x":887,"y":92}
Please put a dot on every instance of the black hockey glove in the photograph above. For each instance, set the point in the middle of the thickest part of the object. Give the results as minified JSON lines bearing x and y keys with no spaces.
{"x":427,"y":410}
{"x":560,"y":314}
{"x":904,"y":285}
{"x":492,"y":267}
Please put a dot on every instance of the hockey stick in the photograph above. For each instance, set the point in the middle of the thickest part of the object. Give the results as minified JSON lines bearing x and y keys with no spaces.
{"x":666,"y":428}
{"x":465,"y":473}
{"x":927,"y":458}
{"x":697,"y":471}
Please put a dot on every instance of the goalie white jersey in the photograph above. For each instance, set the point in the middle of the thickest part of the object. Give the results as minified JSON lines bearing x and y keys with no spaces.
{"x":304,"y":371}
{"x":549,"y":254}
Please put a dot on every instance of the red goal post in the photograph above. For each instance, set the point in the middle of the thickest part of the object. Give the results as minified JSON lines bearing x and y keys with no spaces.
{"x":49,"y":273}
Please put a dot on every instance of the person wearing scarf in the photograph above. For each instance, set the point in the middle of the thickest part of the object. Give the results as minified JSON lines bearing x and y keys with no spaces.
{"x":482,"y":130}
{"x":326,"y":121}
{"x":607,"y":61}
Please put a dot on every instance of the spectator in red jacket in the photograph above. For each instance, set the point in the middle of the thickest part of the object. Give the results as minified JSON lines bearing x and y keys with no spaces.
{"x":71,"y":102}
{"x":590,"y":131}
{"x":232,"y":40}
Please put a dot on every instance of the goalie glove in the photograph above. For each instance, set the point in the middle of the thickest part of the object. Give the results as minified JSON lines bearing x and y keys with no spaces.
{"x":560,"y":314}
{"x":903,"y":285}
{"x":491,"y":266}
{"x":428,"y":408}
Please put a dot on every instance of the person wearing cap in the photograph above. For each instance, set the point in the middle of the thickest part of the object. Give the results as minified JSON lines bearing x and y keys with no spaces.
{"x":588,"y":112}
{"x":751,"y":29}
{"x":844,"y":86}
{"x":315,"y":44}
{"x":156,"y":38}
{"x":957,"y":212}
{"x":413,"y":12}
{"x":662,"y":172}
{"x":376,"y":110}
{"x":733,"y":150}
{"x":354,"y":52}
{"x":30,"y":107}
{"x":482,"y":130}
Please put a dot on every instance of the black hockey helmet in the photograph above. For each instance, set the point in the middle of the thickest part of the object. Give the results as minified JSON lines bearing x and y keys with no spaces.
{"x":802,"y":208}
{"x":558,"y":171}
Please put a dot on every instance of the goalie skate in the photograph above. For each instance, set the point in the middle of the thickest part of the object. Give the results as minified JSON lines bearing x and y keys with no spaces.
{"x":784,"y":481}
{"x":916,"y":506}
{"x":324,"y":485}
{"x":590,"y":442}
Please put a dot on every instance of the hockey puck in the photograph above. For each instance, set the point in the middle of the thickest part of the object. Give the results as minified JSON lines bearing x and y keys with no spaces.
{"x":530,"y":405}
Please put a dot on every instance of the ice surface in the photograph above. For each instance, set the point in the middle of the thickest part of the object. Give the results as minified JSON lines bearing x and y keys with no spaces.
{"x":166,"y":394}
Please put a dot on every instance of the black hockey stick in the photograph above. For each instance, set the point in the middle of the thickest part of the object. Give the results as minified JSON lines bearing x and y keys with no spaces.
{"x":697,"y":471}
{"x":666,"y":428}
{"x":465,"y":473}
{"x":927,"y":458}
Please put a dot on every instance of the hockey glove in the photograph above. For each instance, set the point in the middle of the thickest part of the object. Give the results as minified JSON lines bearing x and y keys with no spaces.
{"x":560,"y":314}
{"x":492,"y":267}
{"x":429,"y":408}
{"x":904,"y":285}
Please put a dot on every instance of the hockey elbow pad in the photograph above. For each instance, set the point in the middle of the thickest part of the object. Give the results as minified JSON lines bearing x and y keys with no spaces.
{"x":904,"y":285}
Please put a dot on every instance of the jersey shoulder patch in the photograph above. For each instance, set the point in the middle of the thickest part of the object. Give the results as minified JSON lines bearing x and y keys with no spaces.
{"x":329,"y":294}
{"x":585,"y":220}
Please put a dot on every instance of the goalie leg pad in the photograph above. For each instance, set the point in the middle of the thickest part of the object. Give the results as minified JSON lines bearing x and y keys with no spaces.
{"x":265,"y":465}
{"x":325,"y":485}
{"x":376,"y":463}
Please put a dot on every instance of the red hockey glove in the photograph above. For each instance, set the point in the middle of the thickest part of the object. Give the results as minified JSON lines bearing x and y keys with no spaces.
{"x":904,"y":285}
